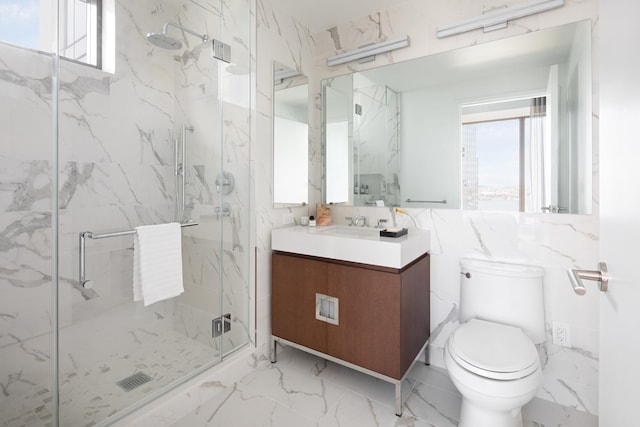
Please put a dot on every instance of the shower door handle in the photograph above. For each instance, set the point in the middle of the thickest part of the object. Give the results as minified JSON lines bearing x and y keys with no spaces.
{"x":576,"y":276}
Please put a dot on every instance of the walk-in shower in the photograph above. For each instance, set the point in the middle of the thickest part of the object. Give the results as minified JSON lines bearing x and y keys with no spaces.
{"x":94,"y":151}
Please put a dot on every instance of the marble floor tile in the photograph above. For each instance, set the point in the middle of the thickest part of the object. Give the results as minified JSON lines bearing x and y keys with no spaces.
{"x":304,"y":390}
{"x":240,"y":408}
{"x":303,"y":393}
{"x":356,"y":410}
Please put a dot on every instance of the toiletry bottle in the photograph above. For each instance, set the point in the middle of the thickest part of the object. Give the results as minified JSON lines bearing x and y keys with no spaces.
{"x":312,"y":221}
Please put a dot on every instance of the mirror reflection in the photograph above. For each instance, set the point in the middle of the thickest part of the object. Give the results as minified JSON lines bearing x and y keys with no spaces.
{"x":504,"y":125}
{"x":290,"y":137}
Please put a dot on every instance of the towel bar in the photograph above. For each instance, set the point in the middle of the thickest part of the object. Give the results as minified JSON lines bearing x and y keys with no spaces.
{"x":88,"y":284}
{"x":444,"y":202}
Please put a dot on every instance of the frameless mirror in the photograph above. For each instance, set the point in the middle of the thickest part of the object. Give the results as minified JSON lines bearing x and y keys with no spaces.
{"x":504,"y":125}
{"x":290,"y":137}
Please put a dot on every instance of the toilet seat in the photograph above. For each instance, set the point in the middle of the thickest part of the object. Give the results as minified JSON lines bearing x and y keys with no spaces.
{"x":493,"y":350}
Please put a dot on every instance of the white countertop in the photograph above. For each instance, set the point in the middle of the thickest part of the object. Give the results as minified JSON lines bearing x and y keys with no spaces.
{"x":355,"y":244}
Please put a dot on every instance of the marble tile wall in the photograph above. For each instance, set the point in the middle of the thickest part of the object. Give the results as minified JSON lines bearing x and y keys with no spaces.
{"x":376,"y":134}
{"x":285,"y":40}
{"x":555,"y":242}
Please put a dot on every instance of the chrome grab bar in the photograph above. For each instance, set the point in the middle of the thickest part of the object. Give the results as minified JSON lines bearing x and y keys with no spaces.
{"x":444,"y":202}
{"x":84,"y":235}
{"x":601,"y":276}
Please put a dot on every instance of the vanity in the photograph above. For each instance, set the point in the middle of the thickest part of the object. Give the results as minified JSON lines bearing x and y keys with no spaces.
{"x":352,"y":297}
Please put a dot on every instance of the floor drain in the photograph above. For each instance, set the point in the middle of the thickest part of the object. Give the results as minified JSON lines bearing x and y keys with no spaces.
{"x":133,"y":381}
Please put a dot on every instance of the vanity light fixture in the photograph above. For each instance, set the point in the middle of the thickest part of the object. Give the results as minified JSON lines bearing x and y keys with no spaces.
{"x":368,"y":51}
{"x":498,"y":18}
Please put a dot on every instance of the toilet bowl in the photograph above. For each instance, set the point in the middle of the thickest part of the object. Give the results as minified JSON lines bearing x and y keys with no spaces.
{"x":496,"y":369}
{"x":491,"y":356}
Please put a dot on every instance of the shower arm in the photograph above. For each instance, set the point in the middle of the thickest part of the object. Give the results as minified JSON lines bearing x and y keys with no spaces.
{"x":203,"y":37}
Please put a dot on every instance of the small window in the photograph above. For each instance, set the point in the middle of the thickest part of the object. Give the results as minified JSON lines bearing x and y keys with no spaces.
{"x":31,"y":24}
{"x":80,"y":30}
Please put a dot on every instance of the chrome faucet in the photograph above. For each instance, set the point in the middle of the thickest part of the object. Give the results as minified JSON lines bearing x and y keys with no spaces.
{"x":393,"y":216}
{"x":360,"y":218}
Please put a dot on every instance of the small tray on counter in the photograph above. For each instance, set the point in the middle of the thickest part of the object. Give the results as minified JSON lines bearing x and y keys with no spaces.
{"x":393,"y":232}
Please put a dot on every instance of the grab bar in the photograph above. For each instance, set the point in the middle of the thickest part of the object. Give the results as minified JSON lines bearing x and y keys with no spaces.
{"x":444,"y":202}
{"x":88,"y":284}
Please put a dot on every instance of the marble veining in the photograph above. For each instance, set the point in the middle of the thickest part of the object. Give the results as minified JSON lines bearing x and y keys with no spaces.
{"x":303,"y":390}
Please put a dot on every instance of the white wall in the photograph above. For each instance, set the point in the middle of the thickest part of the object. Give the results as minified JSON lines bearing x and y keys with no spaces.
{"x":431,"y":162}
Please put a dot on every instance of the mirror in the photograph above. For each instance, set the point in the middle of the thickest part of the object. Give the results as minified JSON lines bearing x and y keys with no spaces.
{"x":290,"y":137}
{"x":504,"y":125}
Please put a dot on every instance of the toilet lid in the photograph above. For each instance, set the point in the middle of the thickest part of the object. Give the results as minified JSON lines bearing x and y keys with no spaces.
{"x":493,"y":350}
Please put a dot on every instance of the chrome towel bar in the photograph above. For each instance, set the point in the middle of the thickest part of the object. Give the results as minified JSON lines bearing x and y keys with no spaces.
{"x":444,"y":202}
{"x":84,"y":235}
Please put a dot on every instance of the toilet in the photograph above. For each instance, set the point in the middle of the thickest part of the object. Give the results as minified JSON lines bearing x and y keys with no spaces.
{"x":491,"y":356}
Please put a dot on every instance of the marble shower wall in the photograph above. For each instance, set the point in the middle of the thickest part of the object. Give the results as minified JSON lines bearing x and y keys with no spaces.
{"x":555,"y":242}
{"x":116,"y":157}
{"x":376,"y":133}
{"x":25,"y":196}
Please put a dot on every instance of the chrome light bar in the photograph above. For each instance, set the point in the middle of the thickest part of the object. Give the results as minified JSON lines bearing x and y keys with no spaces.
{"x":367,"y":51}
{"x":498,"y":18}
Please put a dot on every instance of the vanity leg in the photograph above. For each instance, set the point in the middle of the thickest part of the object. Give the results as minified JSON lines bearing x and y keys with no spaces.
{"x":399,"y":398}
{"x":274,"y":351}
{"x":427,"y":356}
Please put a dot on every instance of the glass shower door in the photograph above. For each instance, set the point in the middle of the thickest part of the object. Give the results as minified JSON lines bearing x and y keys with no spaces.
{"x":124,"y":135}
{"x":27,"y":234}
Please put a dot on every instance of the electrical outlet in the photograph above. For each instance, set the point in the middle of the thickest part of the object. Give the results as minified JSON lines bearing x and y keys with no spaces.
{"x":288,"y":218}
{"x":562,"y":334}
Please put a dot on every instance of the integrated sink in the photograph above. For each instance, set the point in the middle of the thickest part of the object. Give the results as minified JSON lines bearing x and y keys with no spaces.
{"x":356,"y":244}
{"x":339,"y":230}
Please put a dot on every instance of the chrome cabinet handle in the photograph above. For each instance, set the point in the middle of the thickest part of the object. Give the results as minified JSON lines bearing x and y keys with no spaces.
{"x":576,"y":276}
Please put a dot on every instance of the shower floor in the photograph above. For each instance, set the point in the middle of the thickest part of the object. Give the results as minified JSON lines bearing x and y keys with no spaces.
{"x":94,"y":355}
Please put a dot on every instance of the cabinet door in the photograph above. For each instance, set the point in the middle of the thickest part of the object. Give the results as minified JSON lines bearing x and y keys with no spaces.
{"x":295,"y":282}
{"x":368,"y":334}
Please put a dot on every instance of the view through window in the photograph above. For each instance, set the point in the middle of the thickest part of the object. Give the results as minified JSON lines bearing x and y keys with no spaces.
{"x":503,"y":149}
{"x":31,"y":24}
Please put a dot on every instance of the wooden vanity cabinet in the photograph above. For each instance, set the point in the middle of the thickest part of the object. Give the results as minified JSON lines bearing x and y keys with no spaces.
{"x":383,"y":319}
{"x":296,"y":281}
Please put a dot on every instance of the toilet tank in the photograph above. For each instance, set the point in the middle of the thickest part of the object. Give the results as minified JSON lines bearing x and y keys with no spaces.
{"x":504,"y":293}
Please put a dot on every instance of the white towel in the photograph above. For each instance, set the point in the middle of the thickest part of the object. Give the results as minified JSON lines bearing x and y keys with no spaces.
{"x":157,"y":262}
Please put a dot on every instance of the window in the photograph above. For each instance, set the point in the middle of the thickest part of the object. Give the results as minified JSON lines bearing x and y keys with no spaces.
{"x":31,"y":24}
{"x":80,"y":32}
{"x":503,"y":149}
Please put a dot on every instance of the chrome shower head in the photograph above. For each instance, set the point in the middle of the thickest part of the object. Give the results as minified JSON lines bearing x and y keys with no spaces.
{"x":164,"y":41}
